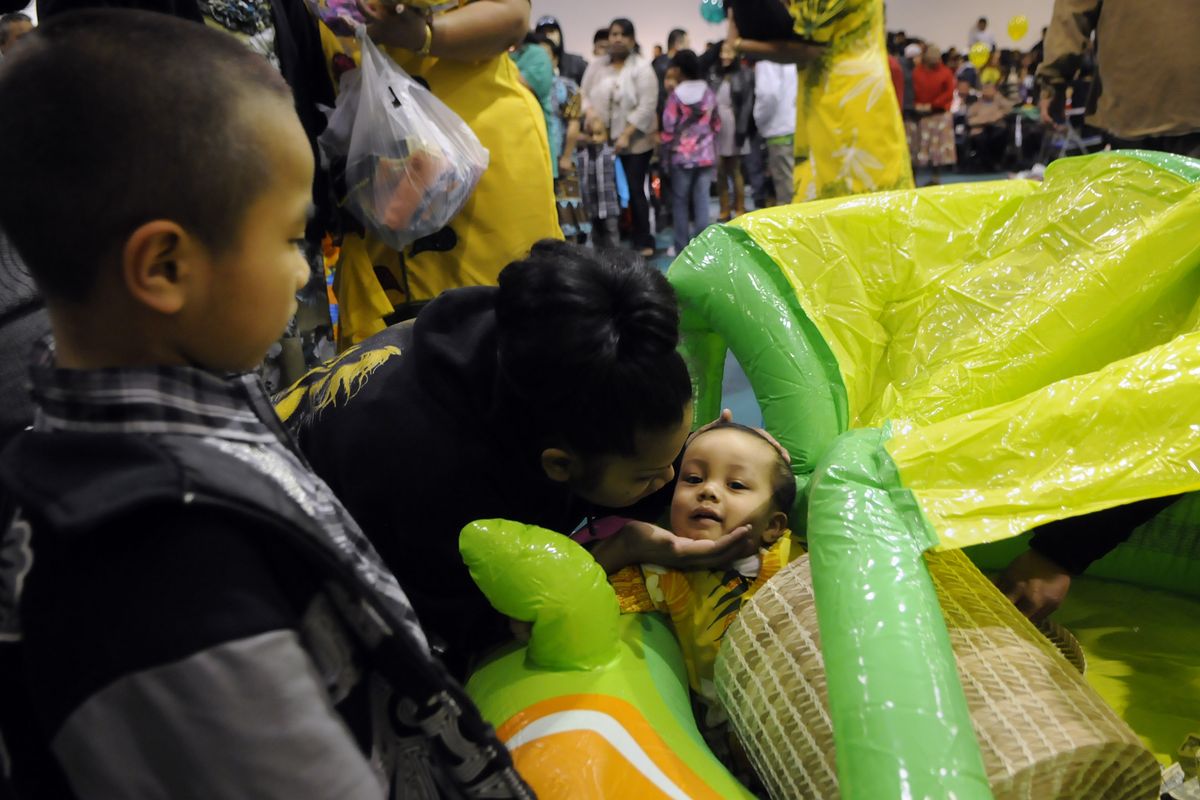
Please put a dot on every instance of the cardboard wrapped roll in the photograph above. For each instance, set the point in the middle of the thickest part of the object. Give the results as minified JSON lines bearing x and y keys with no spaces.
{"x":1043,"y":732}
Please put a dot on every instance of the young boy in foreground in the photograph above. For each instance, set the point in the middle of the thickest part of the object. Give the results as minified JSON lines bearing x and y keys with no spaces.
{"x":191,"y":612}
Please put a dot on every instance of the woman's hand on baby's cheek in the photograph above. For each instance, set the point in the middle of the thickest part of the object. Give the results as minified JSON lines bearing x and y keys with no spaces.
{"x":644,"y":543}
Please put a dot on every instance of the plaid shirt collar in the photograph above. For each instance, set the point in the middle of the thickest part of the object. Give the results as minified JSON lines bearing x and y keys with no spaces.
{"x":150,"y":400}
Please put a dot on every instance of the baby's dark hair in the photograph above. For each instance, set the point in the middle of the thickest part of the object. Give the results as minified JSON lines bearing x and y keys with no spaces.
{"x":125,"y":117}
{"x":688,"y":63}
{"x":587,"y":347}
{"x":783,"y":482}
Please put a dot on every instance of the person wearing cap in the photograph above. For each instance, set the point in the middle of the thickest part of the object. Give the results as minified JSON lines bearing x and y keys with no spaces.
{"x":570,"y":65}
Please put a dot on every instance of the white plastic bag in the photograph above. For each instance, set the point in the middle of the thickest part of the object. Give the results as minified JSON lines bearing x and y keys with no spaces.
{"x":410,"y":162}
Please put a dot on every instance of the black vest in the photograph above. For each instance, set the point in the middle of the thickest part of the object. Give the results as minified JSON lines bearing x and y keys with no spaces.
{"x":73,"y":482}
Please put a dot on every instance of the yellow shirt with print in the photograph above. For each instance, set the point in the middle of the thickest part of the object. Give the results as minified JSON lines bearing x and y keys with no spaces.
{"x":701,"y":604}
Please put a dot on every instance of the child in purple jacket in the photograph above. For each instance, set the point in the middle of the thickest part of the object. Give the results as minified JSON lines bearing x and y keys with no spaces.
{"x":689,"y":127}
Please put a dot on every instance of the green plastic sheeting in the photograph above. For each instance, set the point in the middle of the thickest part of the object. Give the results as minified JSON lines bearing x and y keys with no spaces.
{"x":1035,"y":350}
{"x":901,"y":725}
{"x":735,"y":298}
{"x":1141,"y":647}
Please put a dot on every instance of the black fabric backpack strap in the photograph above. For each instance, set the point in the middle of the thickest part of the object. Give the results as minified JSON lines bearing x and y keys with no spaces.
{"x":428,"y":702}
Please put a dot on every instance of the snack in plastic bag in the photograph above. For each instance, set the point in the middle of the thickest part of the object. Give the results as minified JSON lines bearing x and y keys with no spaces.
{"x":410,"y":162}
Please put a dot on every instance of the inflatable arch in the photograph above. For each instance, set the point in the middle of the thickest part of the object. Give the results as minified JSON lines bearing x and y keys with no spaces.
{"x":952,"y":366}
{"x":949,"y":367}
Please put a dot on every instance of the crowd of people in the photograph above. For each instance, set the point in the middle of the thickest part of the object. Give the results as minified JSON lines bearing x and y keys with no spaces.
{"x":960,"y":116}
{"x":638,"y":143}
{"x":215,"y":587}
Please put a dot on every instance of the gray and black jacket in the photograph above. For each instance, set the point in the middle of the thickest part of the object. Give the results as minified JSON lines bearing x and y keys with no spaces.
{"x":187,"y":611}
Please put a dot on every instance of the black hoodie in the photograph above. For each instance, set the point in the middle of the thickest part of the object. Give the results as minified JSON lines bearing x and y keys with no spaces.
{"x":421,"y":447}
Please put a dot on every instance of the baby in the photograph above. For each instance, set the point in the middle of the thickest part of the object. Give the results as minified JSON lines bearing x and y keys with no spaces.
{"x":731,"y":476}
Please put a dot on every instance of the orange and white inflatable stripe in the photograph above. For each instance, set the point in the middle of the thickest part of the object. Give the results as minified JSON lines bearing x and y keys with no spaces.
{"x":594,"y":745}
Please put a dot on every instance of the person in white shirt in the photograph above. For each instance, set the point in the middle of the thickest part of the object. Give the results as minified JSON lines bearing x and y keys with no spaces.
{"x":775,"y":116}
{"x":980,"y":33}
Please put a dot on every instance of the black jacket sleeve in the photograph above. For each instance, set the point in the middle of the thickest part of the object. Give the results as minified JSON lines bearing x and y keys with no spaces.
{"x":1075,"y":543}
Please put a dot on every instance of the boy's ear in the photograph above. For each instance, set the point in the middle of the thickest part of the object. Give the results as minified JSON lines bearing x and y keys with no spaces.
{"x":776,"y":526}
{"x":156,"y":265}
{"x":557,"y":464}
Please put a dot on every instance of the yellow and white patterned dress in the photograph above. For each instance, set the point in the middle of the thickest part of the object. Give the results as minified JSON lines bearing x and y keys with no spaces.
{"x":701,"y":604}
{"x":849,"y":132}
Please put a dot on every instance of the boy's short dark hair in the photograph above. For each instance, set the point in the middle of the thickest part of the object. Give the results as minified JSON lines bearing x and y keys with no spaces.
{"x":674,"y":36}
{"x":783,"y":482}
{"x":688,"y":63}
{"x":587,"y":348}
{"x":126,"y":117}
{"x":601,"y":35}
{"x":9,"y":19}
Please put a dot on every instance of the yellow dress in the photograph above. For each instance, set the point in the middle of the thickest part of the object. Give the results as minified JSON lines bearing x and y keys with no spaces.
{"x":701,"y":604}
{"x":511,"y":208}
{"x":849,"y":132}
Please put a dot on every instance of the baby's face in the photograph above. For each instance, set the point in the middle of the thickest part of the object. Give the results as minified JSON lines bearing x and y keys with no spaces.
{"x":725,"y":481}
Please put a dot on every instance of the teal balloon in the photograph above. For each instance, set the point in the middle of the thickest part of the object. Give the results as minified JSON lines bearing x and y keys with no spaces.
{"x":712,"y":10}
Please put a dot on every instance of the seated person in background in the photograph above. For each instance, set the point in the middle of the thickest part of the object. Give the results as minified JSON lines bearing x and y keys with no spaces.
{"x":190,"y":611}
{"x":987,"y":124}
{"x":731,"y":477}
{"x":964,"y":96}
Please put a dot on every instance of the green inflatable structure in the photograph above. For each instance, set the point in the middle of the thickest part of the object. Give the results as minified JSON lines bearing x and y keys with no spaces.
{"x":950,"y":367}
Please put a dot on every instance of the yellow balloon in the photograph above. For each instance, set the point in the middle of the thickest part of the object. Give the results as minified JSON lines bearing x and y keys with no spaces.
{"x":979,"y":54}
{"x":1018,"y":26}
